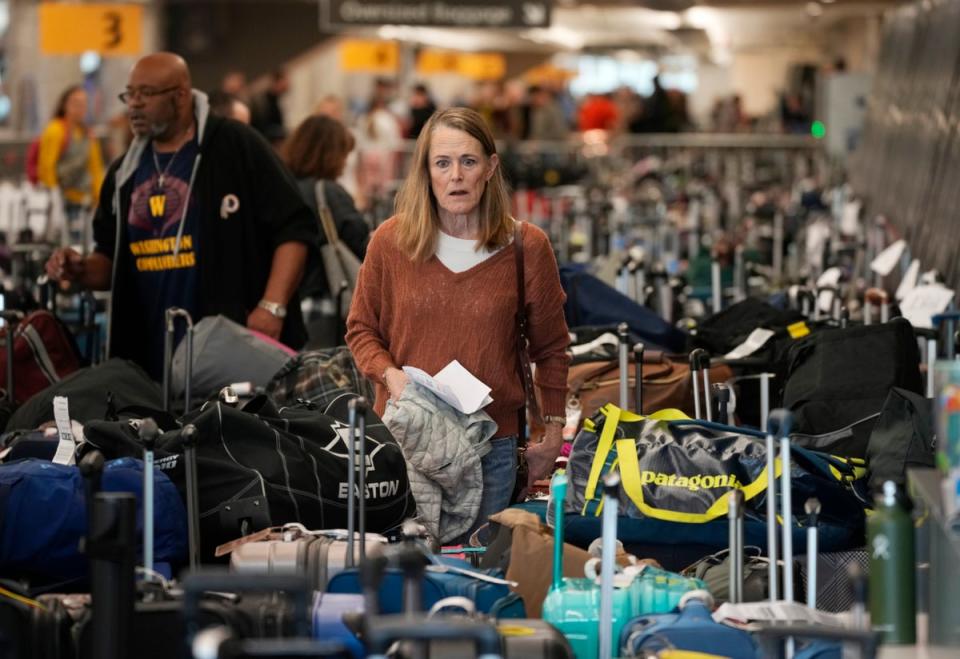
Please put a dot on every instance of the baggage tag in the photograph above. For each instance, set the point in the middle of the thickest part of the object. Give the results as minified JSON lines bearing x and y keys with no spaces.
{"x":754,"y":342}
{"x":269,"y":533}
{"x":66,"y":448}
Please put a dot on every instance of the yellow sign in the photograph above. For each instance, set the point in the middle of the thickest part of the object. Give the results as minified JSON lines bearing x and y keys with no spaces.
{"x":438,"y":61}
{"x":478,"y":66}
{"x":358,"y":55}
{"x":73,"y":29}
{"x":483,"y":66}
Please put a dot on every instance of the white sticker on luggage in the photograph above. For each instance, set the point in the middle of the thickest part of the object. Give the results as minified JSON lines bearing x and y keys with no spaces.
{"x":924,"y":302}
{"x":754,"y":342}
{"x":66,"y":448}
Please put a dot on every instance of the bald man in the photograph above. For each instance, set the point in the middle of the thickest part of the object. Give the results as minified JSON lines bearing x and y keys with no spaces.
{"x":199,"y":214}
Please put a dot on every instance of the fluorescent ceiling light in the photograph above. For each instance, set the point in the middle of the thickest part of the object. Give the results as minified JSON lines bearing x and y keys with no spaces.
{"x":556,"y":35}
{"x":449,"y":39}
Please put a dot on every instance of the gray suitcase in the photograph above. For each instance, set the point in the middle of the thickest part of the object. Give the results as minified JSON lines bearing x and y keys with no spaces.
{"x":292,"y":549}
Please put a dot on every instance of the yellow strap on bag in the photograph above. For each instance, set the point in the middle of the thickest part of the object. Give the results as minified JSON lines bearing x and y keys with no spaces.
{"x":627,"y":463}
{"x":633,"y":486}
{"x":613,"y":416}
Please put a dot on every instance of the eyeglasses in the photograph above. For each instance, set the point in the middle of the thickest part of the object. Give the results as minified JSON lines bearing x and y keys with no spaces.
{"x":127,"y":96}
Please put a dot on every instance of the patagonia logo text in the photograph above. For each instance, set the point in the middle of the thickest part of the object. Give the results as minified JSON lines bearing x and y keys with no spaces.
{"x":692,"y":483}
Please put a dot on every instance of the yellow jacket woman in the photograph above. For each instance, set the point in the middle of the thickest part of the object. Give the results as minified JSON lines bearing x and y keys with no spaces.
{"x":69,"y":156}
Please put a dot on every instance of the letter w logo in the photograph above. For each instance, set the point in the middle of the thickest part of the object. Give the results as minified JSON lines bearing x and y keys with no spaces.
{"x":157,"y":204}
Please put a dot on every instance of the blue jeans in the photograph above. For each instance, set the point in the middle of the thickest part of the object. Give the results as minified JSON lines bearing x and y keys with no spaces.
{"x":499,"y":475}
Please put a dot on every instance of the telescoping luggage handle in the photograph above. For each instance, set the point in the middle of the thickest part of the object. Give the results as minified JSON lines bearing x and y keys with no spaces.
{"x":170,"y":326}
{"x":812,"y":508}
{"x":190,"y":437}
{"x":611,"y":500}
{"x":356,"y":482}
{"x":148,"y":437}
{"x":735,"y":517}
{"x":700,"y":361}
{"x":949,"y":320}
{"x":558,"y":490}
{"x":778,"y":427}
{"x":879,"y":298}
{"x":111,"y":545}
{"x":638,"y":349}
{"x":11,"y":318}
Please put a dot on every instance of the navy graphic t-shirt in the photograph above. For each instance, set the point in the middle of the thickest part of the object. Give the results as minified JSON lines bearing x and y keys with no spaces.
{"x":163,"y":279}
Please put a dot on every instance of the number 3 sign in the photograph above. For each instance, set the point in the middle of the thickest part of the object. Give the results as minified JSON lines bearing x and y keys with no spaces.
{"x":109,"y":29}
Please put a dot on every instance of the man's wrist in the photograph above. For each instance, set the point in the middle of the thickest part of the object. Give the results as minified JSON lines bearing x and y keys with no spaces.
{"x":274,"y":308}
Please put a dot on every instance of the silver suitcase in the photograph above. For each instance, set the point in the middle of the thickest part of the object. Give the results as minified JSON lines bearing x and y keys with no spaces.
{"x":292,"y":549}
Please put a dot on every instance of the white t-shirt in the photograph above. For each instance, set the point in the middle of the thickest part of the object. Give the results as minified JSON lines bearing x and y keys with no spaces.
{"x":459,"y":254}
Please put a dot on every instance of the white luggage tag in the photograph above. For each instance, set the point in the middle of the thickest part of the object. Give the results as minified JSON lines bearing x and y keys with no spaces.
{"x":67,"y":447}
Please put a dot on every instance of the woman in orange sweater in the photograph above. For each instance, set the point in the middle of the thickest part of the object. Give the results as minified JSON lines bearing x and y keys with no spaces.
{"x":439,"y":282}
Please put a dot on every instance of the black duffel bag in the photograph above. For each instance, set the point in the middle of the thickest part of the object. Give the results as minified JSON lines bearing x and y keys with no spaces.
{"x":260,"y":466}
{"x":96,"y":392}
{"x":838,"y":380}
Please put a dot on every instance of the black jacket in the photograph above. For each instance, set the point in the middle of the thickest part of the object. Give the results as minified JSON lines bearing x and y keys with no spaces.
{"x":236,"y":248}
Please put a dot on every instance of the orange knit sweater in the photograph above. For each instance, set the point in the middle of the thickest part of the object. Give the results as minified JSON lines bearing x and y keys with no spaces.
{"x":409,"y":314}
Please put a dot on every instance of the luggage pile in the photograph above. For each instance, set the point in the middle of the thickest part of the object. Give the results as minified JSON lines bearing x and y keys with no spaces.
{"x":732,"y":414}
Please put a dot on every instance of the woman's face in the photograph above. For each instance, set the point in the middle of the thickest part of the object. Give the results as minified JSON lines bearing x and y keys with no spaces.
{"x":459,"y":170}
{"x":75,"y":108}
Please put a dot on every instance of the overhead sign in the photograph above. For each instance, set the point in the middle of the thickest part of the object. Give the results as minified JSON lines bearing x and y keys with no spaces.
{"x":436,"y":13}
{"x":73,"y":29}
{"x":477,"y":66}
{"x":367,"y":56}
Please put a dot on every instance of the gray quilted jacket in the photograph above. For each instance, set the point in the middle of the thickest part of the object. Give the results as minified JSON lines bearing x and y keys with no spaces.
{"x":443,"y":449}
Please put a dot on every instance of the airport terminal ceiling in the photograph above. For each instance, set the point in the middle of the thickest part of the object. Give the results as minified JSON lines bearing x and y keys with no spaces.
{"x":748,"y":44}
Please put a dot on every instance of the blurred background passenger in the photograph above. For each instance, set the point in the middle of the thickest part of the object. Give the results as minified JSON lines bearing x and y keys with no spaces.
{"x":316,"y":153}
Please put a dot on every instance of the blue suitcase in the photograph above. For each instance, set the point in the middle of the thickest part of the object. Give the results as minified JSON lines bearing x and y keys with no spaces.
{"x":329,"y":616}
{"x":690,"y":628}
{"x":444,"y":577}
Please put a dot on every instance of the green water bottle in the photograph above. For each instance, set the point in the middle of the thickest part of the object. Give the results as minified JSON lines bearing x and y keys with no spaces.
{"x":892,"y":569}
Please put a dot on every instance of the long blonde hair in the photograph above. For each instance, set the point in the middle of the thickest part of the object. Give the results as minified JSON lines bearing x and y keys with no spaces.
{"x":418,"y":221}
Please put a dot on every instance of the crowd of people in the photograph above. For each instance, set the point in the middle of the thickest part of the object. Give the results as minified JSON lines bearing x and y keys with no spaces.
{"x":202,"y":214}
{"x":215,"y":208}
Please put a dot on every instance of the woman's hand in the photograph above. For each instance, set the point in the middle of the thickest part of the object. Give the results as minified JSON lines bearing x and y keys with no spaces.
{"x":542,"y":456}
{"x":396,"y":380}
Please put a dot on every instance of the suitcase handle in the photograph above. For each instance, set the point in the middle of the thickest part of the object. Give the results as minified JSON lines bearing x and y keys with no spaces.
{"x":382,"y":632}
{"x":465,"y":604}
{"x":196,"y":583}
{"x":170,"y":326}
